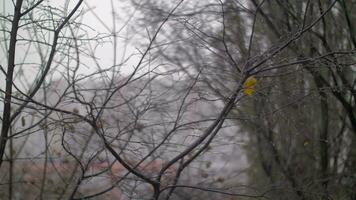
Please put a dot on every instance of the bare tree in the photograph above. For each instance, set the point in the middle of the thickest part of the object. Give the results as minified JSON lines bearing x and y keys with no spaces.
{"x":177,"y":100}
{"x":300,"y":119}
{"x":74,"y":127}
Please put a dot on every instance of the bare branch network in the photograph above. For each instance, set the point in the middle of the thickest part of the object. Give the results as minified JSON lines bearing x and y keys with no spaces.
{"x":177,"y":99}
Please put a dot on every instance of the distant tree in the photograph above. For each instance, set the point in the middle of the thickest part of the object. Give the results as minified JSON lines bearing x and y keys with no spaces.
{"x":79,"y":124}
{"x":169,"y":120}
{"x":300,"y":118}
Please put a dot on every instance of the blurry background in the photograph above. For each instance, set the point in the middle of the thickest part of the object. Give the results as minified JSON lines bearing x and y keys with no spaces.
{"x":147,"y":100}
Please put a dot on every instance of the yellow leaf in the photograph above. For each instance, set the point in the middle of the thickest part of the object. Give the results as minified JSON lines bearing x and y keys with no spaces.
{"x":249,"y":85}
{"x":248,"y":91}
{"x":250,"y":82}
